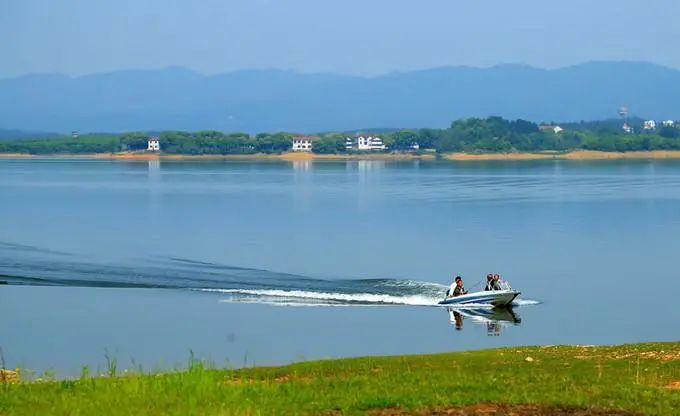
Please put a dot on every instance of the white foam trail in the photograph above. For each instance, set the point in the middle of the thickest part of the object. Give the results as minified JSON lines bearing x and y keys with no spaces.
{"x":283,"y":302}
{"x":369,"y":298}
{"x":525,"y":302}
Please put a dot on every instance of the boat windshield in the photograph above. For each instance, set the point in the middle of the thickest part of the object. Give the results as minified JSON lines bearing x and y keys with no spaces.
{"x":505,"y":285}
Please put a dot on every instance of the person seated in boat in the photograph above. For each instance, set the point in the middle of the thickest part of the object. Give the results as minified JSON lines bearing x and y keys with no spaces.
{"x":489,"y":282}
{"x":458,"y":289}
{"x":449,"y":291}
{"x":497,"y":282}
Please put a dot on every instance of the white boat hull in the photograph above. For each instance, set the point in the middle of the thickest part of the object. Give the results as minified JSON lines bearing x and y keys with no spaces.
{"x":492,"y":297}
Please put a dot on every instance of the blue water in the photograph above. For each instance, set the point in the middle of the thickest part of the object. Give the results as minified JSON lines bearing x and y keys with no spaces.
{"x":273,"y":262}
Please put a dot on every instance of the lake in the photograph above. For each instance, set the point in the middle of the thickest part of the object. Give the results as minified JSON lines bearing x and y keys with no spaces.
{"x":267,"y":262}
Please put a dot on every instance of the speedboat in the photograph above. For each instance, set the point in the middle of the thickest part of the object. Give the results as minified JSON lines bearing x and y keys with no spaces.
{"x":503,"y":297}
{"x":492,"y":297}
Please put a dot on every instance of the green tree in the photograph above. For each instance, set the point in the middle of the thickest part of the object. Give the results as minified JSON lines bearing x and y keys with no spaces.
{"x":329,"y":145}
{"x":669,"y":132}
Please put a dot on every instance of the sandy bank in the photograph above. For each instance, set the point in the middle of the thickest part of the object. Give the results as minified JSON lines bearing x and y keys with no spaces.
{"x":654,"y":154}
{"x":575,"y":155}
{"x":498,"y":156}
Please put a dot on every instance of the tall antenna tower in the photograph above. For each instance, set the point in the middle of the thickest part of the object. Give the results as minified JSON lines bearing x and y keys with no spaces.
{"x":623,"y":113}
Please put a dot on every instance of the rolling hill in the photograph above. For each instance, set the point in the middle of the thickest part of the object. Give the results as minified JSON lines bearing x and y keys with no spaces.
{"x":272,"y":100}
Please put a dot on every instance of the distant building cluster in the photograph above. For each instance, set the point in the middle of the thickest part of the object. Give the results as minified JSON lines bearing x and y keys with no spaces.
{"x":651,"y":125}
{"x":647,"y":125}
{"x":364,"y":142}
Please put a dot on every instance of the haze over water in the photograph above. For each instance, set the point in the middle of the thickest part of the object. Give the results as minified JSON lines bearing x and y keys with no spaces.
{"x":271,"y":262}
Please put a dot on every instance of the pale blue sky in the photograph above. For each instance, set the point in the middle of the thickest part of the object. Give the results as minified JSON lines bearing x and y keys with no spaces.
{"x":351,"y":36}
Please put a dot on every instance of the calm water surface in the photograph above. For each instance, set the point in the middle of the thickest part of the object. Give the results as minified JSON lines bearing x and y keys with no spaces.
{"x":272,"y":262}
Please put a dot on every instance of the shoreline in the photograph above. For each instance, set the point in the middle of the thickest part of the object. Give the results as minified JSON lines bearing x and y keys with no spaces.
{"x":304,"y":156}
{"x":290,"y":156}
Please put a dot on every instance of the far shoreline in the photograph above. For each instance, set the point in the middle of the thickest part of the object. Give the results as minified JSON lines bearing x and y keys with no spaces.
{"x":290,"y":156}
{"x":305,"y":156}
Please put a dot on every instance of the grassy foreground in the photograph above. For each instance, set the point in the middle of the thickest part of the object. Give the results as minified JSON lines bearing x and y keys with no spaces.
{"x":563,"y":380}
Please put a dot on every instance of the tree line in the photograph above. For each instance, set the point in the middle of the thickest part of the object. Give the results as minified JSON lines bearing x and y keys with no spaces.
{"x":471,"y":135}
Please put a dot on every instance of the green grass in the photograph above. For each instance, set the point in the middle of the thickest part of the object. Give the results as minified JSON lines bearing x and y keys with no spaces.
{"x":629,"y":377}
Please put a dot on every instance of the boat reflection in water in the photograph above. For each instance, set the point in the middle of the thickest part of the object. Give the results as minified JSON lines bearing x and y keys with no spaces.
{"x":495,"y":319}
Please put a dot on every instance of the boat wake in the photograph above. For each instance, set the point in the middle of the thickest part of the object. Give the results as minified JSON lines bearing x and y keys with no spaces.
{"x":525,"y":302}
{"x":27,"y":265}
{"x":306,"y":298}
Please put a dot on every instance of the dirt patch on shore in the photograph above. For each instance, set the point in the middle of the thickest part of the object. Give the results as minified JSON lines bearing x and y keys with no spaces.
{"x":14,"y":155}
{"x":494,"y":409}
{"x":9,"y":376}
{"x":673,"y":385}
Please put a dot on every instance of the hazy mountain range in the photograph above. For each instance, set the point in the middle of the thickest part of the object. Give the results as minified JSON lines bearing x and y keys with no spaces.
{"x":6,"y":134}
{"x":272,"y":100}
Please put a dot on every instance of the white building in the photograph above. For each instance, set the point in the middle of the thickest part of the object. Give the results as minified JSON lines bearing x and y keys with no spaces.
{"x":669,"y":123}
{"x":650,"y":125}
{"x":627,"y":128}
{"x":303,"y":143}
{"x":364,"y":143}
{"x":153,"y":144}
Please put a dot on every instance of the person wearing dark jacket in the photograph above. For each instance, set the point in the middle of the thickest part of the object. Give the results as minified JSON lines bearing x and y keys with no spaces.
{"x":489,"y":282}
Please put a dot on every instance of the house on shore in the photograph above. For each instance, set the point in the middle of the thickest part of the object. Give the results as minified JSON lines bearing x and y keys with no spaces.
{"x":364,"y":142}
{"x":669,"y":123}
{"x":649,"y":125}
{"x":303,"y":143}
{"x":153,"y":144}
{"x":550,"y":127}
